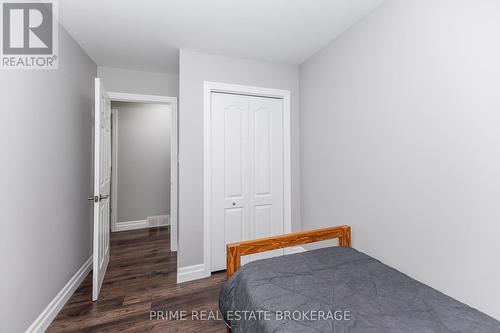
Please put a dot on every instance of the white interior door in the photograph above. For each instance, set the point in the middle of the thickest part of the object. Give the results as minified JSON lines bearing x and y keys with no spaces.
{"x":247,"y":172}
{"x":102,"y":186}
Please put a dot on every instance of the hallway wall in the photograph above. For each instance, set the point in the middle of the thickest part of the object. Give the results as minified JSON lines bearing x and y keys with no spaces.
{"x":143,"y":154}
{"x":138,"y":82}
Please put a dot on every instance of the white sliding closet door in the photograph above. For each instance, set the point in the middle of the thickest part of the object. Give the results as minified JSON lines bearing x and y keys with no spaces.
{"x":247,"y":172}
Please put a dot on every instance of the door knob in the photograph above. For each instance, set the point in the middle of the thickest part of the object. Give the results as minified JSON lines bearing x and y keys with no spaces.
{"x":98,"y":198}
{"x":234,"y":203}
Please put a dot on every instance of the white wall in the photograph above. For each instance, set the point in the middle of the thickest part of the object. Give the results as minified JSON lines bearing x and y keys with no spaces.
{"x":45,"y":177}
{"x":143,"y":154}
{"x":137,"y":82}
{"x":195,"y":68}
{"x":400,"y":137}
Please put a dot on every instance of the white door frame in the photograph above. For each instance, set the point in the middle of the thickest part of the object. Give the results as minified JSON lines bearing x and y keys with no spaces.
{"x":174,"y":163}
{"x":209,"y":88}
{"x":114,"y":167}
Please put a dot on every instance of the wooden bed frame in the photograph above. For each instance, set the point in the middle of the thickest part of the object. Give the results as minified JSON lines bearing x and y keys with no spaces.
{"x":236,"y":250}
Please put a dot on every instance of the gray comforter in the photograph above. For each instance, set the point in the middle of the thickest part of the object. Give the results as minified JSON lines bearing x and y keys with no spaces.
{"x":340,"y":290}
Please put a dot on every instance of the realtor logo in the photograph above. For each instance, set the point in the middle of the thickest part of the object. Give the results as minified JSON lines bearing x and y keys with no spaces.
{"x":29,"y":35}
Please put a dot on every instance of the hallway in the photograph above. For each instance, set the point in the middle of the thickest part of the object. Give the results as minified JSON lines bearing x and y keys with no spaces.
{"x":141,"y":277}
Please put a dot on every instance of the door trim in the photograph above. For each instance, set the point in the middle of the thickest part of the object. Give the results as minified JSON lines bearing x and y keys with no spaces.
{"x":208,"y":89}
{"x":174,"y":158}
{"x":114,"y":168}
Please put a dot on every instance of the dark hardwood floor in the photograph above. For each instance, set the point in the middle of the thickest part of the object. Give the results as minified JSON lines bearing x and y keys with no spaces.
{"x":141,"y":277}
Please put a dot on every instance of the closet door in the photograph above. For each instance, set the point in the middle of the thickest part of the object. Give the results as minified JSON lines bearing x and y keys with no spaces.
{"x":266,"y":171}
{"x":247,"y":172}
{"x":230,"y":174}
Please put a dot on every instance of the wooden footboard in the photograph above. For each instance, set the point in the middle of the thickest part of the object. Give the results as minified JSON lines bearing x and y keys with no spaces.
{"x":236,"y":250}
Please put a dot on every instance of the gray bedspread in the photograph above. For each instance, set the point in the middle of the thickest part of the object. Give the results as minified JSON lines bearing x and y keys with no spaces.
{"x":340,"y":290}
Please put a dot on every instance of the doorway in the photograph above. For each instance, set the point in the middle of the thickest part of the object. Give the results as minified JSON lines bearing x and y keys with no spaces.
{"x":163,"y":109}
{"x":141,"y":135}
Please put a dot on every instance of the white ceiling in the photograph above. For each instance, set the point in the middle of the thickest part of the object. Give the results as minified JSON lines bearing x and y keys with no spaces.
{"x":146,"y":34}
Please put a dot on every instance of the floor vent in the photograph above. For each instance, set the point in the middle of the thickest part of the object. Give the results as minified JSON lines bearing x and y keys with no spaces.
{"x":159,"y":220}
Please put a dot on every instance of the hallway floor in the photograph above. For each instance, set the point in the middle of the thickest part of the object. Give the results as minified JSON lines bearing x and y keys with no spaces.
{"x":141,"y":277}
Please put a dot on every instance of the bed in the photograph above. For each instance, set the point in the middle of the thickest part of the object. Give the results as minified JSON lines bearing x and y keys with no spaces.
{"x":334,"y":289}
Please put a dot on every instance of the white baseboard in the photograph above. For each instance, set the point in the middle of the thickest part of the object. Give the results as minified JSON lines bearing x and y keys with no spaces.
{"x":150,"y":222}
{"x":294,"y":249}
{"x":195,"y":272}
{"x":190,"y":273}
{"x":43,"y":321}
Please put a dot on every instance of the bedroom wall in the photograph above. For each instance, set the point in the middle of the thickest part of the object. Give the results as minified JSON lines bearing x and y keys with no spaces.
{"x":45,"y":177}
{"x":400,"y":138}
{"x":138,"y":82}
{"x":195,"y":68}
{"x":143,"y":154}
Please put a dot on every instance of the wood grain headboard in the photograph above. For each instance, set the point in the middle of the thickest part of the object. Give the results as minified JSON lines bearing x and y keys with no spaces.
{"x":236,"y":250}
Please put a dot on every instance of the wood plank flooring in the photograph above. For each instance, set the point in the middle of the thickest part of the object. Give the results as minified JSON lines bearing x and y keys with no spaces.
{"x":141,"y":277}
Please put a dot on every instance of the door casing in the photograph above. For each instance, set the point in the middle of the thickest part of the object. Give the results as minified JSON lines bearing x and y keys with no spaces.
{"x":209,"y":88}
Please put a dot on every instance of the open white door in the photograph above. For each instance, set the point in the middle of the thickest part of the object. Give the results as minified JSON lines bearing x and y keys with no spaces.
{"x":102,"y":182}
